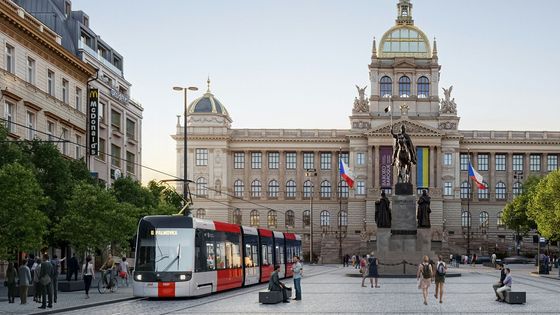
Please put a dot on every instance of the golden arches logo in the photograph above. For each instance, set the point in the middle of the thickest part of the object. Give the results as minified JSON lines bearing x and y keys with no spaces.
{"x":94,"y":93}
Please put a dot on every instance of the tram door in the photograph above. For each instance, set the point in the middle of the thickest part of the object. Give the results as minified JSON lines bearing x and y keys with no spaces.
{"x":279,"y":254}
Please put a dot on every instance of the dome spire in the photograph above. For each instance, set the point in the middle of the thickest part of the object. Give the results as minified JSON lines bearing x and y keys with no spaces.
{"x":208,"y":84}
{"x":434,"y":51}
{"x":374,"y":49}
{"x":404,"y":11}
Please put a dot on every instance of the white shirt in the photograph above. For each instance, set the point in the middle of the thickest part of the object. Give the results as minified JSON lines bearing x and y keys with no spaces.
{"x":89,"y":271}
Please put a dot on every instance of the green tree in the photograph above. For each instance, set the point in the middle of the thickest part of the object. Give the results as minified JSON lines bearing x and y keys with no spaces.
{"x":166,"y":195}
{"x":127,"y":189}
{"x":22,"y":224}
{"x":544,"y":206}
{"x":9,"y":152}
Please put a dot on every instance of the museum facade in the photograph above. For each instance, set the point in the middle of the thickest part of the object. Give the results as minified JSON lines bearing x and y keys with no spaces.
{"x":288,"y":179}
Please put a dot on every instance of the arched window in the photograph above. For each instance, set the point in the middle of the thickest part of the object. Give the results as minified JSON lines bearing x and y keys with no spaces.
{"x":201,"y":187}
{"x":386,"y":87}
{"x":499,"y":221}
{"x":306,"y":218}
{"x":325,"y":218}
{"x":484,"y":219}
{"x":307,"y":188}
{"x":465,"y":190}
{"x":289,"y":219}
{"x":273,"y":188}
{"x":200,"y":213}
{"x":343,"y":218}
{"x":465,"y":219}
{"x":483,"y":193}
{"x":238,"y":188}
{"x":517,"y":189}
{"x":290,"y":189}
{"x":423,"y":87}
{"x":343,"y":189}
{"x":404,"y":86}
{"x":325,"y":189}
{"x":256,"y":188}
{"x":254,"y":219}
{"x":271,"y":219}
{"x":500,"y":191}
{"x":237,"y":219}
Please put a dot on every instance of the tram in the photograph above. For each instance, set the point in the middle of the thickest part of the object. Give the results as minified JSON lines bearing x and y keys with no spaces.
{"x":179,"y":256}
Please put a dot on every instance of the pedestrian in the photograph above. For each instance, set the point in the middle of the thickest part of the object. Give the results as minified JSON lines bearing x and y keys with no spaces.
{"x":274,"y":284}
{"x":25,"y":281}
{"x":11,"y":277}
{"x":123,"y":270}
{"x":353,"y":261}
{"x":56,"y":265}
{"x":424,"y":275}
{"x":363,"y":269}
{"x":451,"y":259}
{"x":494,"y":259}
{"x":441,"y":271}
{"x":546,"y":262}
{"x":473,"y":262}
{"x":45,"y":278}
{"x":35,"y":270}
{"x":508,"y":281}
{"x":372,"y":270}
{"x":88,"y":274}
{"x":73,"y":267}
{"x":500,"y":283}
{"x":297,"y":269}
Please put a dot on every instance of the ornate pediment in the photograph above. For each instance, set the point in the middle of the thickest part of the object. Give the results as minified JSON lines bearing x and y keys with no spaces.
{"x":412,"y":128}
{"x":404,"y":63}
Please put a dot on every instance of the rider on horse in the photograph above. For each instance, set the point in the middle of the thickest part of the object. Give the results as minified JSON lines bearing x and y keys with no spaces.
{"x":404,"y":154}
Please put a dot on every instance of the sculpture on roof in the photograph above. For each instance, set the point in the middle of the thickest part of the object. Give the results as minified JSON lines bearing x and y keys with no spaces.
{"x":361,"y":103}
{"x":448,"y":105}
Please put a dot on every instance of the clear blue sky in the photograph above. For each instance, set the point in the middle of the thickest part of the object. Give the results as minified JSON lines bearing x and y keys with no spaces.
{"x":294,"y":63}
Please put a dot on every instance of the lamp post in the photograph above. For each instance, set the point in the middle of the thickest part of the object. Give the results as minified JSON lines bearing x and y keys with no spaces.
{"x":185,"y":177}
{"x":311,"y":172}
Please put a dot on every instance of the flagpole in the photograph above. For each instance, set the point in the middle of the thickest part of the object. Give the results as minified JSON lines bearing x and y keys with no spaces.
{"x":340,"y":205}
{"x":469,"y":206}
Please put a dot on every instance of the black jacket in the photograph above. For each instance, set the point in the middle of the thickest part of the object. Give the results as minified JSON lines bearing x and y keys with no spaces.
{"x":503,"y":275}
{"x":274,"y":283}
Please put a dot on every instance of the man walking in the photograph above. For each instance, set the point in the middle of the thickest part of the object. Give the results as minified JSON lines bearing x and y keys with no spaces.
{"x":506,"y":287}
{"x":45,"y":279}
{"x":441,"y":271}
{"x":297,"y":269}
{"x":500,"y":283}
{"x":24,"y":281}
{"x":56,"y":264}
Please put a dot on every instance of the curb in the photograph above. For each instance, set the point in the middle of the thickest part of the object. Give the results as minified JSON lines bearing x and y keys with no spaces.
{"x":79,"y":307}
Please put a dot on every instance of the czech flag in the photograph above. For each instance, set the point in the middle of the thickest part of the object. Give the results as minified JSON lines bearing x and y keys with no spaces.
{"x":478,"y":179}
{"x":346,"y":174}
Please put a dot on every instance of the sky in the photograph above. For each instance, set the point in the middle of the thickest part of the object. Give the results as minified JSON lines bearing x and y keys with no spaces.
{"x":294,"y":63}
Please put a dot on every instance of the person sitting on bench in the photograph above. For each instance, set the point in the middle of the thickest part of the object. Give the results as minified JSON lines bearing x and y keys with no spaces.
{"x":275,"y":285}
{"x":507,"y":286}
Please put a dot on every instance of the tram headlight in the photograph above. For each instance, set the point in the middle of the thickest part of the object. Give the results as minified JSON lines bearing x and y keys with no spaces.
{"x":183,"y":277}
{"x":139,"y":277}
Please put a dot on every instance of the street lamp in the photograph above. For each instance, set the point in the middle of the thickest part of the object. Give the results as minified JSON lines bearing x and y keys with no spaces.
{"x":311,"y":172}
{"x":185,"y":177}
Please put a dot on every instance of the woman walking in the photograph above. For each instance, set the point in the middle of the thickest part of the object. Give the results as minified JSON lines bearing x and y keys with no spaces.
{"x":372,"y":269}
{"x":441,"y":270}
{"x":424,"y":274}
{"x":88,"y":273}
{"x":11,"y":276}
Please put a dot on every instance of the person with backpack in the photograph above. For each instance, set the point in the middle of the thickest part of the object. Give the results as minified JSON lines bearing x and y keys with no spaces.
{"x":441,"y":270}
{"x":424,"y":275}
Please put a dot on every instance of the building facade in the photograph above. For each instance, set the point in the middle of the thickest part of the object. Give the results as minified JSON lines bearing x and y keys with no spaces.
{"x":43,"y":85}
{"x":120,"y":117}
{"x":264,"y":177}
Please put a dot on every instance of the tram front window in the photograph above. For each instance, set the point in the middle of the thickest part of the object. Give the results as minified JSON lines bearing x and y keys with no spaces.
{"x":165,"y":250}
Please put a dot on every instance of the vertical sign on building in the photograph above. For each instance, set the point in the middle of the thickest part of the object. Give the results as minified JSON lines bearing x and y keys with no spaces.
{"x":423,"y":167}
{"x":385,"y":168}
{"x":93,"y":121}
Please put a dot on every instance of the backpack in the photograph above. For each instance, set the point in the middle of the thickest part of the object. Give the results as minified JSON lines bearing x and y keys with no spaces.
{"x":440,"y":269}
{"x":426,"y":272}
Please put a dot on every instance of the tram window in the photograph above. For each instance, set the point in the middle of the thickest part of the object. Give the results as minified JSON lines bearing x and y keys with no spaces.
{"x":210,"y":262}
{"x":255,"y":255}
{"x":266,"y":254}
{"x":236,"y":255}
{"x":278,"y":256}
{"x":220,"y":255}
{"x":289,"y":253}
{"x":249,"y":261}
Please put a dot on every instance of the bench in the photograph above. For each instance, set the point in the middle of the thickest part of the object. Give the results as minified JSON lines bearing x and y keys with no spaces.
{"x":71,"y":286}
{"x":273,"y":297}
{"x":513,"y":297}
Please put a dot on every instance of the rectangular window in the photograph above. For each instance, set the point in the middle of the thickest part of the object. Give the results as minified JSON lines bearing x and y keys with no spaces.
{"x":50,"y":130}
{"x":448,"y":189}
{"x":78,"y":99}
{"x":238,"y":160}
{"x":30,"y":125}
{"x":130,"y":129}
{"x":482,"y":160}
{"x":64,"y":90}
{"x":500,"y":162}
{"x":535,"y":163}
{"x":552,"y":161}
{"x":326,"y":160}
{"x":78,"y":147}
{"x":115,"y":155}
{"x":448,"y":159}
{"x":517,"y":162}
{"x":291,"y":160}
{"x":101,"y":109}
{"x":9,"y":116}
{"x":50,"y":82}
{"x":116,"y":120}
{"x":360,"y":158}
{"x":256,"y":160}
{"x":344,"y":157}
{"x":360,"y":188}
{"x":201,"y":157}
{"x":31,"y":70}
{"x":10,"y":59}
{"x":464,"y":162}
{"x":308,"y":158}
{"x":130,"y":161}
{"x":273,"y":160}
{"x":66,"y":138}
{"x":102,"y":149}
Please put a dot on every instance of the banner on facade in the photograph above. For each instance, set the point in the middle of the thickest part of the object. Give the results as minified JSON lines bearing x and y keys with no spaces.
{"x":93,"y":121}
{"x":423,"y":167}
{"x":385,"y":168}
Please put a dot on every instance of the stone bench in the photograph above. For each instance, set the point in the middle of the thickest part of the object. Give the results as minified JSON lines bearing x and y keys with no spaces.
{"x":273,"y":297}
{"x":71,"y":286}
{"x":513,"y":297}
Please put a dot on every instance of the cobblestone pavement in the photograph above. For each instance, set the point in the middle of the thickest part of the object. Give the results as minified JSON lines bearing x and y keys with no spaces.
{"x":328,"y":290}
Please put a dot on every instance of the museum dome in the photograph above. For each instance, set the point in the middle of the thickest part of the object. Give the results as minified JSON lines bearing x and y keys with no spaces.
{"x":207,"y":104}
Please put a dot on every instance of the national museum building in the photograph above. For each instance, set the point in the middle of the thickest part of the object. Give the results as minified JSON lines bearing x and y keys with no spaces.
{"x":262,"y":177}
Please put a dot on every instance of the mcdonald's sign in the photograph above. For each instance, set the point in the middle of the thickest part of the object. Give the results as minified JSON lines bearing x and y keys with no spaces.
{"x":93,"y":121}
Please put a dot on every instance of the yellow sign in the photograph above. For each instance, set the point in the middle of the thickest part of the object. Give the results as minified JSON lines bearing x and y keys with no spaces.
{"x":166,"y":232}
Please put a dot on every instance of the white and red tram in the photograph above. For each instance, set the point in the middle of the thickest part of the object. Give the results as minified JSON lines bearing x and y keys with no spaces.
{"x":180,"y":256}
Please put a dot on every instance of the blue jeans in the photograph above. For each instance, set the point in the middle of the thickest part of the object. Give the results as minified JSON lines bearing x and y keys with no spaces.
{"x":297,"y":285}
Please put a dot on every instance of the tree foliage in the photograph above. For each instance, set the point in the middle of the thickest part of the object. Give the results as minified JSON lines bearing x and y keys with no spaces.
{"x":544,"y":206}
{"x":515,"y":214}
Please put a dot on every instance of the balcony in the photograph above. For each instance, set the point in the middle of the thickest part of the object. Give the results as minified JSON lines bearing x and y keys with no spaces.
{"x":103,"y":61}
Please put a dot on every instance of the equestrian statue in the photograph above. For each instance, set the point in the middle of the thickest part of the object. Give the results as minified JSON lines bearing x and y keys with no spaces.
{"x":404,"y":155}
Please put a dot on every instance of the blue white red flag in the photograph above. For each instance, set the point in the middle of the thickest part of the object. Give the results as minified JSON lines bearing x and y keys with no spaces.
{"x":346,"y":174}
{"x":478,"y":179}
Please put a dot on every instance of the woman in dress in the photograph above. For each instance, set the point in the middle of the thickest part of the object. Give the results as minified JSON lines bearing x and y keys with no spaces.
{"x":373,"y":262}
{"x":425,"y":275}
